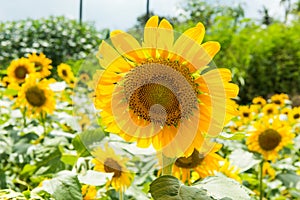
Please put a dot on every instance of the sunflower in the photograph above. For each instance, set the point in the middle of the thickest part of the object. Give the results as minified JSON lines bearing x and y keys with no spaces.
{"x":18,"y":69}
{"x":65,"y":72}
{"x":229,"y":170}
{"x":279,"y":99}
{"x":245,"y":113}
{"x":270,"y":109}
{"x":107,"y":161}
{"x":285,"y":111}
{"x":5,"y":81}
{"x":162,"y":92}
{"x":294,"y":115}
{"x":269,"y":137}
{"x":259,"y":101}
{"x":41,"y":64}
{"x":89,"y":192}
{"x":36,"y":97}
{"x":203,"y":164}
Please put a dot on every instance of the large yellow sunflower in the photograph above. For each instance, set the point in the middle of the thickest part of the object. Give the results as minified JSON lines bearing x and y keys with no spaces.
{"x":161,"y":92}
{"x":269,"y":137}
{"x":18,"y":69}
{"x":41,"y":64}
{"x":36,"y":97}
{"x":204,"y":164}
{"x":65,"y":72}
{"x":107,"y":161}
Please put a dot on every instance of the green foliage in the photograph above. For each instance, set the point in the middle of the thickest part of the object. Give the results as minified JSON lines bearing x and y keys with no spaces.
{"x":59,"y":38}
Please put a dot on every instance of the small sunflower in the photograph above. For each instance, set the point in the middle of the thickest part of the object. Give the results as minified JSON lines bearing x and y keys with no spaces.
{"x":19,"y":69}
{"x":259,"y":101}
{"x":89,"y":192}
{"x":36,"y":97}
{"x":65,"y":72}
{"x":203,"y":164}
{"x":269,"y":137}
{"x":245,"y":113}
{"x":279,"y":99}
{"x":294,"y":115}
{"x":285,"y":111}
{"x":41,"y":64}
{"x":161,"y":92}
{"x":270,"y":109}
{"x":5,"y":81}
{"x":107,"y":161}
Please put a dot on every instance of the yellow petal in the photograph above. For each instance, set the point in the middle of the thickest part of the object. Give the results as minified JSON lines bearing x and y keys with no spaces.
{"x":212,"y":48}
{"x":165,"y":36}
{"x":196,"y":33}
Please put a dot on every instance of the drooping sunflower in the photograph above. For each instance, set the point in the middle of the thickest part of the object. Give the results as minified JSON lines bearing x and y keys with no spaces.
{"x":162,"y":92}
{"x":36,"y":96}
{"x":19,"y":69}
{"x":269,"y":137}
{"x":270,"y":109}
{"x":203,"y":164}
{"x":259,"y":101}
{"x":41,"y":63}
{"x":65,"y":72}
{"x":107,"y":161}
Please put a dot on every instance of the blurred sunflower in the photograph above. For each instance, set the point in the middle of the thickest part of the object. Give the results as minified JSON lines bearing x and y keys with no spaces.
{"x":285,"y":111}
{"x":18,"y":69}
{"x":294,"y":115}
{"x":36,"y":97}
{"x":158,"y":92}
{"x":64,"y":71}
{"x":270,"y":109}
{"x":89,"y":192}
{"x":5,"y":81}
{"x":107,"y":161}
{"x":268,"y":170}
{"x":229,"y":170}
{"x":279,"y":99}
{"x":259,"y":101}
{"x":203,"y":164}
{"x":245,"y":114}
{"x":41,"y":64}
{"x":269,"y":137}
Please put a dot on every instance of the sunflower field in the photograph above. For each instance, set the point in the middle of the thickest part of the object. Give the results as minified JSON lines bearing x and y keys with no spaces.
{"x":204,"y":107}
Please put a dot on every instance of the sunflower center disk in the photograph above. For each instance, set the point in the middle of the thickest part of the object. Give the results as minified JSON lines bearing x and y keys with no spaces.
{"x":160,"y":94}
{"x":38,"y":66}
{"x":190,"y":162}
{"x":21,"y":72}
{"x":112,"y":166}
{"x":64,"y":73}
{"x":269,"y":139}
{"x":297,"y":116}
{"x":35,"y":96}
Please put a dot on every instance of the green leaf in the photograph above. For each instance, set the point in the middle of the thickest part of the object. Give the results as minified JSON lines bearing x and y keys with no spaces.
{"x":235,"y":136}
{"x":64,"y":186}
{"x":221,"y":187}
{"x":170,"y":188}
{"x":84,"y":140}
{"x":68,"y":159}
{"x":10,"y":92}
{"x":289,"y":179}
{"x":28,"y":169}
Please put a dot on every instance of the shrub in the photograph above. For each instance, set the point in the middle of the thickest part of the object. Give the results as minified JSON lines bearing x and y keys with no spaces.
{"x":58,"y":38}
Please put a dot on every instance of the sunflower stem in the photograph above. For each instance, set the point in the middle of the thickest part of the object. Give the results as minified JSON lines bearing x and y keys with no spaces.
{"x":121,"y":195}
{"x":24,"y":117}
{"x":261,"y":191}
{"x":167,"y":164}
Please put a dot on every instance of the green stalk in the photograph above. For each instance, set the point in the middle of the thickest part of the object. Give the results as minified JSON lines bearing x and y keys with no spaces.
{"x":167,"y":164}
{"x":261,"y":191}
{"x":121,"y":194}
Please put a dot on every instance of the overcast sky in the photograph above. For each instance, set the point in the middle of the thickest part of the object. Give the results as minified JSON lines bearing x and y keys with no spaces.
{"x":112,"y":14}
